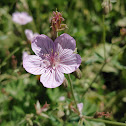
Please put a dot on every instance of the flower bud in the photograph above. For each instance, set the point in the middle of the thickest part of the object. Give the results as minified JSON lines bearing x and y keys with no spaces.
{"x":101,"y":114}
{"x":65,"y":83}
{"x":56,"y":22}
{"x":107,"y":6}
{"x":40,"y":109}
{"x":78,"y":73}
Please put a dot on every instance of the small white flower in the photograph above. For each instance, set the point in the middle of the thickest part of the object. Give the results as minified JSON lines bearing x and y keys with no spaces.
{"x":80,"y":107}
{"x":62,"y":98}
{"x":21,"y":18}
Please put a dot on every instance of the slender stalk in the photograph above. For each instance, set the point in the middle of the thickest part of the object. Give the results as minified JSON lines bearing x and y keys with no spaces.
{"x":34,"y":26}
{"x":104,"y":36}
{"x":105,"y":121}
{"x":94,"y":78}
{"x":71,"y":87}
{"x":56,"y":34}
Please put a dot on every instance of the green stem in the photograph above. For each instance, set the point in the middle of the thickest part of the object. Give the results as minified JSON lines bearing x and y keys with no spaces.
{"x":56,"y":34}
{"x":94,"y":78}
{"x":105,"y":121}
{"x":104,"y":36}
{"x":34,"y":26}
{"x":71,"y":87}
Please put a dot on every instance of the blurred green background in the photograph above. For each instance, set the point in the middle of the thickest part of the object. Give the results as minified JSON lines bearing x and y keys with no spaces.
{"x":19,"y":90}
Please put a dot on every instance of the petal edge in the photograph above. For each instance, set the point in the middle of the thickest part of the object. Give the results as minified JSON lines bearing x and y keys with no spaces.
{"x":66,"y":41}
{"x":52,"y":78}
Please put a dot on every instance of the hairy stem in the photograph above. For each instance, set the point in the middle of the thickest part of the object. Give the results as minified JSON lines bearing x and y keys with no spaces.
{"x":94,"y":78}
{"x":105,"y":121}
{"x":56,"y":34}
{"x":104,"y":37}
{"x":71,"y":87}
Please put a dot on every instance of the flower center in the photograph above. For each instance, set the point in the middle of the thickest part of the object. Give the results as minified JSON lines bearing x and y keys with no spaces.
{"x":54,"y":60}
{"x":51,"y":60}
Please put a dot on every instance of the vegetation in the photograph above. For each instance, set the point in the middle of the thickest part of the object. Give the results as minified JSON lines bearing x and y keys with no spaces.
{"x":99,"y":29}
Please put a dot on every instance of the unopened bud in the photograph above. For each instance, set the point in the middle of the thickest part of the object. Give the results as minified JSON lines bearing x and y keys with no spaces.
{"x":65,"y":83}
{"x":101,"y":114}
{"x":78,"y":73}
{"x":40,"y":109}
{"x":107,"y":6}
{"x":56,"y":22}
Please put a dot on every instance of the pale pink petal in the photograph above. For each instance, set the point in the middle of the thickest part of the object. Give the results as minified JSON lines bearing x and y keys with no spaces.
{"x":29,"y":34}
{"x":42,"y":44}
{"x":80,"y":107}
{"x":62,"y":52}
{"x":21,"y":18}
{"x":15,"y":17}
{"x":69,"y":63}
{"x":66,"y":41}
{"x":35,"y":34}
{"x":33,"y":64}
{"x":25,"y":54}
{"x":52,"y":78}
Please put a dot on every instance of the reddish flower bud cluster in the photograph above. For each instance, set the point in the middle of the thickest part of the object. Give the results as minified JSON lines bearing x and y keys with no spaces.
{"x":40,"y":109}
{"x":101,"y":114}
{"x":56,"y":22}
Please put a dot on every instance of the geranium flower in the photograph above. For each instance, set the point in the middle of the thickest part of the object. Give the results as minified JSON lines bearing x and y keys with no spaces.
{"x":21,"y":18}
{"x":52,"y":59}
{"x":30,"y":35}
